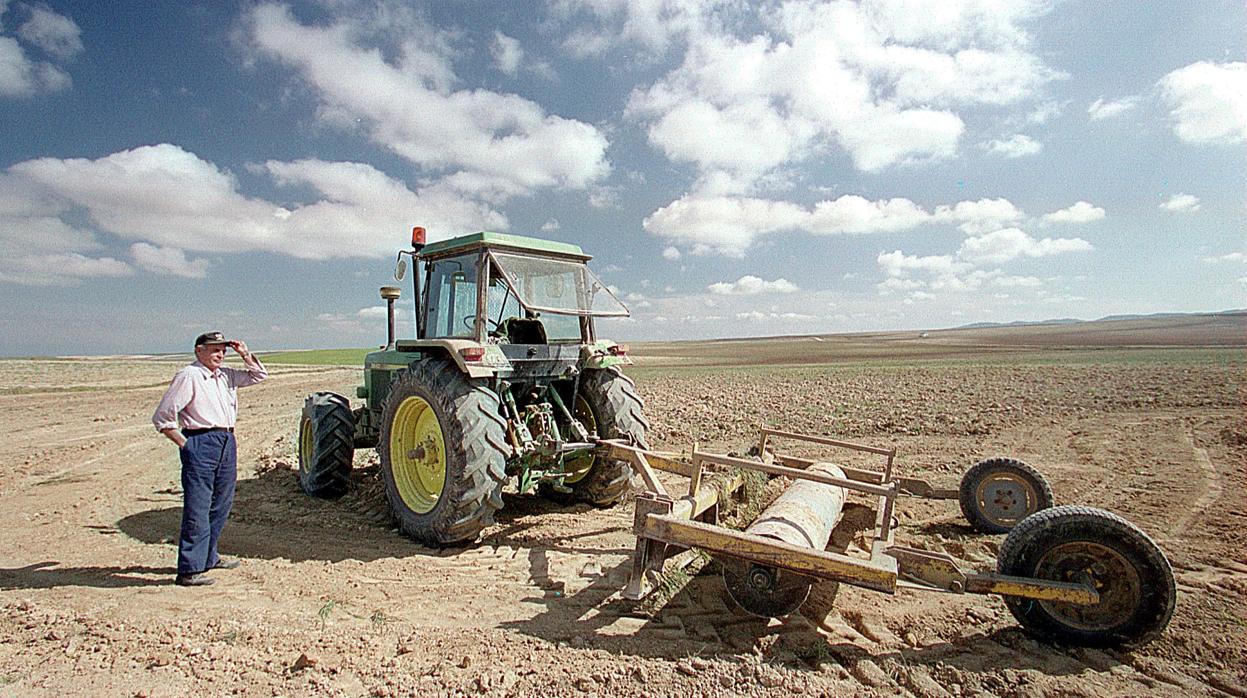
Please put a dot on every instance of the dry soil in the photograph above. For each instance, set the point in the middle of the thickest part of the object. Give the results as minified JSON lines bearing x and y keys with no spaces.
{"x":330,"y":600}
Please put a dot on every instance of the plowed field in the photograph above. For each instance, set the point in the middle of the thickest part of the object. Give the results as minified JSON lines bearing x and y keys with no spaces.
{"x":330,"y":600}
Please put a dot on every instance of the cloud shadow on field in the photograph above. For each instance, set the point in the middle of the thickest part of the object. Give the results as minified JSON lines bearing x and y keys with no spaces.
{"x":49,"y":575}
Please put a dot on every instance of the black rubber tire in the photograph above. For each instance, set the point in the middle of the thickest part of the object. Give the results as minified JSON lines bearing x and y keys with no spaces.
{"x":1142,"y":591}
{"x":619,"y":414}
{"x":1038,"y":498}
{"x":325,"y":462}
{"x":363,"y":440}
{"x":474,"y":436}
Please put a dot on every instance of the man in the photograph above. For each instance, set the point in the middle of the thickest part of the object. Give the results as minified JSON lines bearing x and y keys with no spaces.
{"x":202,"y":399}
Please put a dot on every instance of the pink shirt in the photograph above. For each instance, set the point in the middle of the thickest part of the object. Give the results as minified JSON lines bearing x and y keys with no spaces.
{"x":200,"y":399}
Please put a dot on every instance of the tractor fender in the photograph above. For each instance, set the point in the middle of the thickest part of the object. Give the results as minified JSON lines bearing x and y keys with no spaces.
{"x":603,"y":354}
{"x":488,"y":367}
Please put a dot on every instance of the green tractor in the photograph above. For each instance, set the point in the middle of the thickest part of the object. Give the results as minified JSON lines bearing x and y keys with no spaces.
{"x":505,"y":378}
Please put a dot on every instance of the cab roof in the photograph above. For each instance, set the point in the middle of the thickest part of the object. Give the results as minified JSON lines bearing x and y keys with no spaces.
{"x":464,"y":243}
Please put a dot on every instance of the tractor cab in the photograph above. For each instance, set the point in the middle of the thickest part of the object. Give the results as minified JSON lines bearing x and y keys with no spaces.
{"x":507,"y":289}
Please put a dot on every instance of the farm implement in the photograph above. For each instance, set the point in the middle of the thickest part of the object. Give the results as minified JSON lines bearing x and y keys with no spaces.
{"x":507,"y":381}
{"x":1070,"y":574}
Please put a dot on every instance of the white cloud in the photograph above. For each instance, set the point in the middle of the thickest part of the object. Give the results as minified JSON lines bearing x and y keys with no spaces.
{"x":507,"y":53}
{"x":654,"y":24}
{"x":1081,"y":212}
{"x":41,"y":248}
{"x":1102,"y":109}
{"x":56,"y":34}
{"x":720,"y":224}
{"x":48,"y":269}
{"x":1181,"y":203}
{"x":167,"y":261}
{"x":170,"y":198}
{"x":550,"y":225}
{"x":1231,"y":257}
{"x":982,"y":216}
{"x":485,"y":143}
{"x":898,"y":264}
{"x":854,"y":214}
{"x":916,"y":276}
{"x":882,"y":80}
{"x":373,"y":312}
{"x":1207,"y":102}
{"x":1010,"y":243}
{"x":603,"y":197}
{"x":1045,"y":112}
{"x":670,"y":253}
{"x":751,"y":285}
{"x":759,"y":316}
{"x":21,"y":77}
{"x":1015,"y":146}
{"x":729,"y":225}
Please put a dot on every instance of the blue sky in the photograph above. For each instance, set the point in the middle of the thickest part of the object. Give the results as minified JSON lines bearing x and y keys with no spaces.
{"x":735,"y":168}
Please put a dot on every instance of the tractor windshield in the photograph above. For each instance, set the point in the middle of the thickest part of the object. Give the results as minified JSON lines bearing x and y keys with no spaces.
{"x":563,"y":287}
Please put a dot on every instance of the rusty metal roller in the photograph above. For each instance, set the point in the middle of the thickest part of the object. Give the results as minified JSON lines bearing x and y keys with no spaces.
{"x":803,"y":515}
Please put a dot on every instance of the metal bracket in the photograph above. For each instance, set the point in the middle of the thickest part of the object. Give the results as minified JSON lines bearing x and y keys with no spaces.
{"x":936,"y":570}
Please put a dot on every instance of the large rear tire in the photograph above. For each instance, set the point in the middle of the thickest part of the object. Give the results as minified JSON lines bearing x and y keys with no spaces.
{"x":608,"y":406}
{"x":1076,"y":543}
{"x":443,"y":453}
{"x":326,"y":448}
{"x":997,"y":493}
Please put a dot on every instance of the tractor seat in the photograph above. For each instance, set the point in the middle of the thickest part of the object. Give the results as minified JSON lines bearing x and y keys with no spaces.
{"x":524,"y":330}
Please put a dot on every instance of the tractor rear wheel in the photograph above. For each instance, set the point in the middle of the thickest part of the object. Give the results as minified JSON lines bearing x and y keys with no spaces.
{"x":1082,"y":544}
{"x":997,"y":493}
{"x":326,"y":449}
{"x":443,"y":453}
{"x":608,"y":406}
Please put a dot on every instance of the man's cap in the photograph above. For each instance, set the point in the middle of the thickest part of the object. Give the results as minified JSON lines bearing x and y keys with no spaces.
{"x":211,"y":338}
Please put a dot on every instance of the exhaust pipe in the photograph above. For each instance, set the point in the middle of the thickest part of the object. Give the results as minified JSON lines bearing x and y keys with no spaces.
{"x":390,"y":294}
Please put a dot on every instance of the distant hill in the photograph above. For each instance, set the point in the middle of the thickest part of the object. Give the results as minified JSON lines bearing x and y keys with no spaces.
{"x":1106,"y":318}
{"x":1019,"y":323}
{"x":1216,"y":332}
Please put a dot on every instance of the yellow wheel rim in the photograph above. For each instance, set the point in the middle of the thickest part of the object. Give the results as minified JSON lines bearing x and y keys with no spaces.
{"x":577,"y":467}
{"x":305,"y":442}
{"x":417,"y":455}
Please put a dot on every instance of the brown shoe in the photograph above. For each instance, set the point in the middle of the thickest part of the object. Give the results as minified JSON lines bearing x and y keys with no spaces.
{"x":226,"y":563}
{"x":193,"y":580}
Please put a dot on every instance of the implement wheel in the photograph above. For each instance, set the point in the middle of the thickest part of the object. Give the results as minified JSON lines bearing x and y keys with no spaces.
{"x":326,"y":445}
{"x":997,"y":493}
{"x":608,"y":406}
{"x":1082,"y":544}
{"x":443,"y":454}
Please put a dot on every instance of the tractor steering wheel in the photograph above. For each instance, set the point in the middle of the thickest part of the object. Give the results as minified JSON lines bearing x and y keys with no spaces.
{"x":469,"y":322}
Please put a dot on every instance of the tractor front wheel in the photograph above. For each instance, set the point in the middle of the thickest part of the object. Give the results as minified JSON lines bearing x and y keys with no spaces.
{"x":1091,"y":546}
{"x":443,"y":453}
{"x":326,"y":449}
{"x":608,"y":406}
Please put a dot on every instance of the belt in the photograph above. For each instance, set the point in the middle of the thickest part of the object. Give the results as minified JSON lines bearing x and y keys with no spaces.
{"x":197,"y":432}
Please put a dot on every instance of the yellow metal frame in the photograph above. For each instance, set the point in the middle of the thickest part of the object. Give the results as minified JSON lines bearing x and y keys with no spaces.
{"x":666,"y":524}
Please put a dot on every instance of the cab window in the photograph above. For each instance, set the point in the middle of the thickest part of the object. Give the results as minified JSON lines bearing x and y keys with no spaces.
{"x":451,"y":295}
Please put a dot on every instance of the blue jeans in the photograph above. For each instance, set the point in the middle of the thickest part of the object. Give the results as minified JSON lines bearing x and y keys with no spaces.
{"x":209,"y":469}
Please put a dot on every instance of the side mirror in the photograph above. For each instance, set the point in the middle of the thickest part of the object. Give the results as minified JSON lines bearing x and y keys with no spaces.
{"x":400,"y":269}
